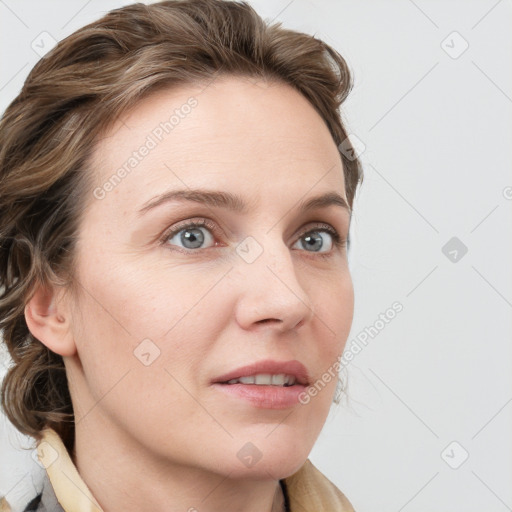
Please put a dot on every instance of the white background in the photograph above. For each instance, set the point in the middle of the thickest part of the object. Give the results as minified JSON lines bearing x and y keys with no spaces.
{"x":436,"y":127}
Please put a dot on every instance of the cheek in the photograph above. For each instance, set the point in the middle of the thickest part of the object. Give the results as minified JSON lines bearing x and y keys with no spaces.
{"x":137,"y":298}
{"x":333,"y":304}
{"x":335,"y":310}
{"x":131,"y":371}
{"x":132,"y":313}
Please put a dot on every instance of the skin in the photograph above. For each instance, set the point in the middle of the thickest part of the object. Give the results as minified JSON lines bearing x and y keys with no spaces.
{"x":159,"y":437}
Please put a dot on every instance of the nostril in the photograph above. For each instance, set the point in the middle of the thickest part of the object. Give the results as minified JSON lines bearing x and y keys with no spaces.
{"x":266,"y":320}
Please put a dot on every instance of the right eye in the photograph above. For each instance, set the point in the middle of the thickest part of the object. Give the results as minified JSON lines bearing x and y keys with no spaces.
{"x":190,"y":234}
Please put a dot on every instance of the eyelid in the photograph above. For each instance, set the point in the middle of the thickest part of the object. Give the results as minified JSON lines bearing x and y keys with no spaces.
{"x":317,"y":225}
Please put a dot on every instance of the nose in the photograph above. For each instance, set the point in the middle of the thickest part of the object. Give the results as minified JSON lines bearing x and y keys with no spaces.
{"x":271,"y":294}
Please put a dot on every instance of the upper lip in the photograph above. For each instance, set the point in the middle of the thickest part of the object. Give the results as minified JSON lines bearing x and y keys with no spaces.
{"x":269,"y":366}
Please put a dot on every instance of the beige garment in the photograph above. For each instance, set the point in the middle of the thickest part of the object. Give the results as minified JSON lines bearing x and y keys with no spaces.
{"x":71,"y":491}
{"x":308,"y":489}
{"x":4,"y":506}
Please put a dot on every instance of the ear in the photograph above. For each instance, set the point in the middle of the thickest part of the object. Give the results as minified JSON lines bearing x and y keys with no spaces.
{"x":49,"y":320}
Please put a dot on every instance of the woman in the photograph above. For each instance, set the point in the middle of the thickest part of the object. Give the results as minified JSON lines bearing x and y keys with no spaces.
{"x":175,"y":212}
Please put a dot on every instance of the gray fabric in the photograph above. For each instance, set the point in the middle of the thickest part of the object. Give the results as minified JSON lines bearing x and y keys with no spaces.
{"x":46,"y":501}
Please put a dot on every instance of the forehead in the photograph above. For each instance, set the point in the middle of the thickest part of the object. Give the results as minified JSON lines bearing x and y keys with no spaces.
{"x":253,"y":137}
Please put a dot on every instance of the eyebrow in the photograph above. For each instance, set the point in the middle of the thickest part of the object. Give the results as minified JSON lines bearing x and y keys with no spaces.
{"x":235,"y":203}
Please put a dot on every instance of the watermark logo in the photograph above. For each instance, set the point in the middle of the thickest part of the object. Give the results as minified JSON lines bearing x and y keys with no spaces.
{"x":249,"y":455}
{"x":249,"y":249}
{"x":356,"y":346}
{"x":147,"y":352}
{"x":454,"y":45}
{"x":455,"y":455}
{"x":43,"y":43}
{"x":45,"y":454}
{"x":454,"y":249}
{"x":352,"y":147}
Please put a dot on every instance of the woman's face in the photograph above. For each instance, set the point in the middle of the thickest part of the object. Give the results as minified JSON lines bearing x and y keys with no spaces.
{"x":166,"y":311}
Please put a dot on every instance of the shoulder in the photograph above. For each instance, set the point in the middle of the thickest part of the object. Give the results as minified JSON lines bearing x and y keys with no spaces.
{"x":34,"y":504}
{"x":45,"y":501}
{"x":310,"y":490}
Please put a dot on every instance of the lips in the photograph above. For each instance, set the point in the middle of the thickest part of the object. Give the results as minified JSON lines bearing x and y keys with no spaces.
{"x":268,"y":366}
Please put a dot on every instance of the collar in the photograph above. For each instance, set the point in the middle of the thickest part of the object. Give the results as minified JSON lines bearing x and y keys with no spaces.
{"x":307,"y":490}
{"x":70,"y":490}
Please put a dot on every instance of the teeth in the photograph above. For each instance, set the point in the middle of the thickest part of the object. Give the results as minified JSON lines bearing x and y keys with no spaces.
{"x":266,"y":379}
{"x":278,"y":380}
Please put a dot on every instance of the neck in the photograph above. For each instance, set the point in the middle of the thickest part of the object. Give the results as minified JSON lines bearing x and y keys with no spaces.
{"x":123,"y":475}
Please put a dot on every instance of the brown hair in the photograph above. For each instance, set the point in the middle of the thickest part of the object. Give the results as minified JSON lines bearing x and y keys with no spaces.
{"x":71,"y":97}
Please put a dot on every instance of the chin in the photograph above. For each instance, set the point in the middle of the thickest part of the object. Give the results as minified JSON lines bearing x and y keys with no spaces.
{"x":274,"y":468}
{"x":276,"y":456}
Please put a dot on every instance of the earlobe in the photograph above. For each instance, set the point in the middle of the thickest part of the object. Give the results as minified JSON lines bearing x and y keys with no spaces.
{"x":49,"y":322}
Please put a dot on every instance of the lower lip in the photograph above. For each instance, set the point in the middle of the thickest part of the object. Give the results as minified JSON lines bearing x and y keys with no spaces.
{"x":264,"y":397}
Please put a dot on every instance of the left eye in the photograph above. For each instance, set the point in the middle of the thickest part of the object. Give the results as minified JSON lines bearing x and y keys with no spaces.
{"x":313,"y":240}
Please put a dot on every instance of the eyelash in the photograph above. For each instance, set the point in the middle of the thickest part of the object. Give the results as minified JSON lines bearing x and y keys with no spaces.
{"x":337,"y":239}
